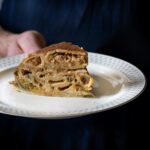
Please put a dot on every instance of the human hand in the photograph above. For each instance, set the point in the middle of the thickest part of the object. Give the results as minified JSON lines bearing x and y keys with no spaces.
{"x":13,"y":44}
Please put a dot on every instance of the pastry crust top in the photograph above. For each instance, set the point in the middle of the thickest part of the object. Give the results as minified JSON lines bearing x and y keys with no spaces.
{"x":64,"y":47}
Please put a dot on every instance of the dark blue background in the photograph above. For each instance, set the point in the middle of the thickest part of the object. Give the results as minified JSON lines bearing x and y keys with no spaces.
{"x":114,"y":27}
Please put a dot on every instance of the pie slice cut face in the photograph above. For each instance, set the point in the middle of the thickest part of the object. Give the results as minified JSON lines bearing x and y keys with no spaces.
{"x":57,"y":70}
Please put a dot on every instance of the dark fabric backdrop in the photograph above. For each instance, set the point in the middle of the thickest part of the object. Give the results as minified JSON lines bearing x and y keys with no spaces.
{"x":119,"y":28}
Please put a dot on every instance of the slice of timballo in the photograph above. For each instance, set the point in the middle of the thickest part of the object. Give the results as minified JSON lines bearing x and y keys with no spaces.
{"x":57,"y":70}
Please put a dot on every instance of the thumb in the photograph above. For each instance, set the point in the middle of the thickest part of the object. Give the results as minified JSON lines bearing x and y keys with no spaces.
{"x":30,"y":41}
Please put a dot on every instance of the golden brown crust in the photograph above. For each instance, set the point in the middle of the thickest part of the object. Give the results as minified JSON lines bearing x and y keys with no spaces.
{"x":64,"y":47}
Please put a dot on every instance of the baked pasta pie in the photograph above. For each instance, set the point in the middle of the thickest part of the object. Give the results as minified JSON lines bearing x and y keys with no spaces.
{"x":57,"y":70}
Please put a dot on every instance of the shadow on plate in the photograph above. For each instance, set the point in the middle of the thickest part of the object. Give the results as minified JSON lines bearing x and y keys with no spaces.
{"x":106,"y":85}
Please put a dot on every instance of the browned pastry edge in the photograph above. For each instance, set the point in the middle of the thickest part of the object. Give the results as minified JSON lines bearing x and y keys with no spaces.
{"x":63,"y":47}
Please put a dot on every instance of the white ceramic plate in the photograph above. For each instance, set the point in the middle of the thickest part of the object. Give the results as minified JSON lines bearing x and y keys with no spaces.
{"x":116,"y":83}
